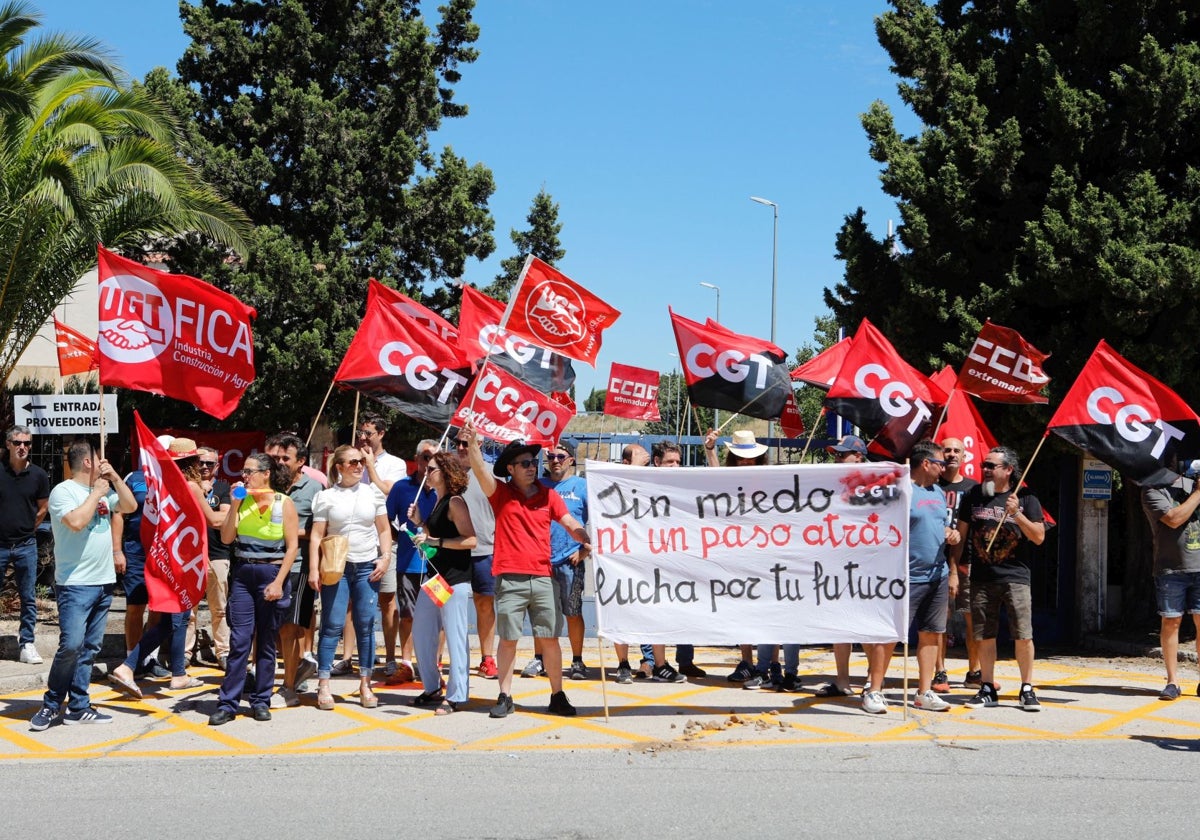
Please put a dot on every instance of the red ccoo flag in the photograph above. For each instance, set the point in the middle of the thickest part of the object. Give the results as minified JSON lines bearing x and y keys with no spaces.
{"x":174,"y":530}
{"x":1003,"y":367}
{"x":173,"y":335}
{"x":76,"y":352}
{"x":504,"y":408}
{"x":632,"y":393}
{"x":552,"y":310}
{"x":1127,"y":419}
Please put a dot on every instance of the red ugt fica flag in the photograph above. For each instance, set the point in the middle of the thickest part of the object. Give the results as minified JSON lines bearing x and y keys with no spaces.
{"x":632,"y":393}
{"x":174,"y":530}
{"x":1003,"y":367}
{"x":552,"y":310}
{"x":76,"y":352}
{"x":173,"y":335}
{"x":880,"y":392}
{"x":1127,"y":419}
{"x":731,"y":372}
{"x":504,"y":408}
{"x":401,"y":363}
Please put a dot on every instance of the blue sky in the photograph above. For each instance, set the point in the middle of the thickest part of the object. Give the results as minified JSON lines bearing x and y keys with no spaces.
{"x":651,"y":124}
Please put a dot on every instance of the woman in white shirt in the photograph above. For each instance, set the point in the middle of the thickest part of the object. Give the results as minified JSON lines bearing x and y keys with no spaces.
{"x":358,"y":512}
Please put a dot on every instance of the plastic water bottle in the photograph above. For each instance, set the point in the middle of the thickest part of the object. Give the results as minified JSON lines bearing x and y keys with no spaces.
{"x":425,"y":548}
{"x":238,"y":491}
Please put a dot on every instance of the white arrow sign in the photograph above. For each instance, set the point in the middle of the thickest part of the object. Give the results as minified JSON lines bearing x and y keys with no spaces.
{"x":65,"y":414}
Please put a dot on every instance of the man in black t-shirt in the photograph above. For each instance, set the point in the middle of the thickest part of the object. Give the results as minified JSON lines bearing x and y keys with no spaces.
{"x":1000,"y":525}
{"x":24,"y":494}
{"x":955,"y":485}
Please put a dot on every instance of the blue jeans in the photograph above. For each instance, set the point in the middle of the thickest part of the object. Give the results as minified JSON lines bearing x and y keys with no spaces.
{"x":685,"y":654}
{"x":428,"y":619}
{"x":23,"y":559}
{"x":791,"y":658}
{"x":82,"y":614}
{"x":252,"y":616}
{"x":363,"y":596}
{"x":170,"y":628}
{"x":1176,"y":593}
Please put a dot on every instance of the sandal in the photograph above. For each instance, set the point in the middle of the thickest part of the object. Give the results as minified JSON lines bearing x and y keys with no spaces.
{"x":428,"y":698}
{"x":446,"y":708}
{"x":325,"y":701}
{"x":833,"y":690}
{"x":188,"y":682}
{"x":369,"y":700}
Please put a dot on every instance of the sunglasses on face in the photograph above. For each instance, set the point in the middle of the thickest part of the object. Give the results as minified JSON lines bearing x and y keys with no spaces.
{"x":937,"y":461}
{"x":988,"y":465}
{"x":525,"y":463}
{"x":24,"y":443}
{"x":208,"y":464}
{"x":462,"y":444}
{"x":426,"y":456}
{"x":353,"y":462}
{"x":557,"y":456}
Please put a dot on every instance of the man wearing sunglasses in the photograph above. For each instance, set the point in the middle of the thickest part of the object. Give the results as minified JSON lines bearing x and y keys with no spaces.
{"x":1000,"y":575}
{"x":524,"y":511}
{"x":24,"y":494}
{"x":566,"y":560}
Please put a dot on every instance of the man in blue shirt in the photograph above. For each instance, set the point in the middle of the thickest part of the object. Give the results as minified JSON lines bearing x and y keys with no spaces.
{"x":928,"y":578}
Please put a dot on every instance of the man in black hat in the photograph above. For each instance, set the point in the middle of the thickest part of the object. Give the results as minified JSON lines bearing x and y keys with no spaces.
{"x":524,"y":510}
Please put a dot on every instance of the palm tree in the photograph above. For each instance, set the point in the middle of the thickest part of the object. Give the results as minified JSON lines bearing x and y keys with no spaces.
{"x":85,"y":157}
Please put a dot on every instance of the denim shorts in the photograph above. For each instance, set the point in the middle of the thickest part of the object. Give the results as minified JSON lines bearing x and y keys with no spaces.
{"x":568,"y":587}
{"x":482,"y":580}
{"x":927,"y":606}
{"x":1177,"y":593}
{"x":133,"y":580}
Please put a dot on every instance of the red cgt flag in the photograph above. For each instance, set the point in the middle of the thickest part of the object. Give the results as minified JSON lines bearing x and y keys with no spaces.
{"x":632,"y":393}
{"x":420,"y":313}
{"x":174,"y":530}
{"x":173,"y":335}
{"x":1003,"y":367}
{"x":400,"y":362}
{"x":884,"y":395}
{"x":504,"y":408}
{"x":76,"y":352}
{"x":1127,"y":419}
{"x":552,"y":310}
{"x":962,"y":421}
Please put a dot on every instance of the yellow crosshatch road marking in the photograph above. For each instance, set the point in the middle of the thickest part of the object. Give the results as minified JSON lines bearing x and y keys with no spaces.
{"x":1083,"y":700}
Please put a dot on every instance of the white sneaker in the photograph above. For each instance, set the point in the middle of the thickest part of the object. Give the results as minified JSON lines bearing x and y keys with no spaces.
{"x":284,"y":698}
{"x":873,"y":702}
{"x":29,"y":654}
{"x":930,"y":702}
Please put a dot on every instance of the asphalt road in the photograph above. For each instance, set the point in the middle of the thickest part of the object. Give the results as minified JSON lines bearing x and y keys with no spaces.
{"x":1126,"y":788}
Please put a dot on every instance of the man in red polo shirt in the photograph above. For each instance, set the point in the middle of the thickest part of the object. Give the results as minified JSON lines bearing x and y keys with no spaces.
{"x":521,"y":561}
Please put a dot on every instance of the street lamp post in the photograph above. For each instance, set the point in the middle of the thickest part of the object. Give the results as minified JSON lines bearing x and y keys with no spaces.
{"x":717,"y":289}
{"x":774,"y":286}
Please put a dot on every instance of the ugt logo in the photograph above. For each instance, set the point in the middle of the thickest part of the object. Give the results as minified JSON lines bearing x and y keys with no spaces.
{"x":136,"y":322}
{"x":555,"y":314}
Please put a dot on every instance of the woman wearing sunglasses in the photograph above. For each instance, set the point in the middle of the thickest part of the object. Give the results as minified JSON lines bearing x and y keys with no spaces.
{"x":358,"y":512}
{"x":448,"y":528}
{"x":264,"y":529}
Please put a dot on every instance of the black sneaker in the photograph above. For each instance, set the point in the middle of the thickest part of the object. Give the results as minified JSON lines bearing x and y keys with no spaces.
{"x":560,"y":705}
{"x":665,"y":673}
{"x":503,"y":707}
{"x":941,"y":683}
{"x":1171,"y":692}
{"x":624,"y":673}
{"x":756,"y":682}
{"x":774,"y":675}
{"x":1028,"y":700}
{"x":985,"y":697}
{"x":578,"y":670}
{"x":790,"y":682}
{"x":44,"y":718}
{"x":691,"y":669}
{"x":973,"y":679}
{"x":741,"y":673}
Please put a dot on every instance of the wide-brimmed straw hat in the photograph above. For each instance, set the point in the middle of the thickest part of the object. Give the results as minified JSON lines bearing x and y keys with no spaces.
{"x":181,"y":448}
{"x":743,"y":444}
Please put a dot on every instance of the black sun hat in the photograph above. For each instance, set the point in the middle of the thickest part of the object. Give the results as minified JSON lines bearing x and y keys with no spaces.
{"x":511,"y":452}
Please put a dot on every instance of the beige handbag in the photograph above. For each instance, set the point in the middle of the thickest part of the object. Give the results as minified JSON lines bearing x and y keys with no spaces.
{"x":334,"y":549}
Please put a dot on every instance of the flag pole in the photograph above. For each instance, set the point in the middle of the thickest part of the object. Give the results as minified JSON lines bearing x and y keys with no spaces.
{"x":354,"y":425}
{"x":813,"y":433}
{"x":317,"y":419}
{"x":102,"y":435}
{"x":1028,"y":467}
{"x":599,"y":640}
{"x":945,"y":408}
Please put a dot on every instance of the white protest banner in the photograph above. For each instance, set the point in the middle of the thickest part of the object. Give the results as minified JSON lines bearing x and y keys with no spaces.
{"x":808,"y":554}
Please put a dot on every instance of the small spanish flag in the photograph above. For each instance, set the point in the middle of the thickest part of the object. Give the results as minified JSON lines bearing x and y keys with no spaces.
{"x":438,"y":590}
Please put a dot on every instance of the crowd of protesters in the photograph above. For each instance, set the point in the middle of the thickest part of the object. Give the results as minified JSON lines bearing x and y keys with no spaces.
{"x":421,"y":545}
